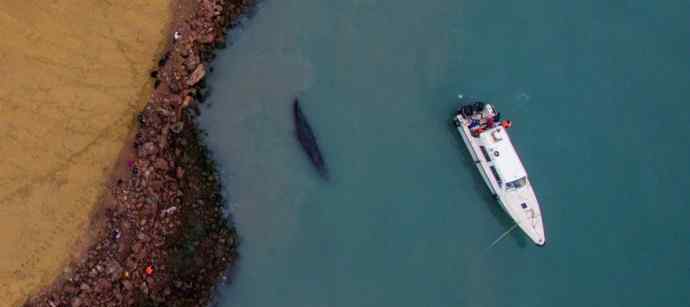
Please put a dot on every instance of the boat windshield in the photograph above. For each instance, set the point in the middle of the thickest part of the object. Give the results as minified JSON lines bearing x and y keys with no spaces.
{"x":516,"y":184}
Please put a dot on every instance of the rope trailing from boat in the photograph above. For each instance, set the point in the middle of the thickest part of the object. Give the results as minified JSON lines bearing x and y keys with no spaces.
{"x":502,"y":236}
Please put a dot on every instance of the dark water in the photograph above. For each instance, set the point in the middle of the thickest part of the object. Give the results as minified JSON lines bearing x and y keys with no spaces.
{"x":597,"y":94}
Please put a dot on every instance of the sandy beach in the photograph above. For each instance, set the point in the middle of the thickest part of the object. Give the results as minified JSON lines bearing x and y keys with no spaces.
{"x":158,"y":233}
{"x":74,"y":75}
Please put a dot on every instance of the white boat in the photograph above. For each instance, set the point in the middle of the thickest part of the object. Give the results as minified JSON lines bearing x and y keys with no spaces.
{"x":487,"y":140}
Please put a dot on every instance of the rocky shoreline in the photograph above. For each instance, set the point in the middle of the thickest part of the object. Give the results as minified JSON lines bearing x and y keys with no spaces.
{"x":161,"y":238}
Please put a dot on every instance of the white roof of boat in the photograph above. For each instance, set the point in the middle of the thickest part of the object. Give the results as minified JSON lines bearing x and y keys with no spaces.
{"x":503,"y":154}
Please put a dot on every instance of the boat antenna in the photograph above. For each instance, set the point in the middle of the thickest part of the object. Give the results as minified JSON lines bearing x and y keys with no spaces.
{"x":502,"y":236}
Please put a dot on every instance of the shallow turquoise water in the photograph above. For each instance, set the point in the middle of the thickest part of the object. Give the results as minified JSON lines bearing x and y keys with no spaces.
{"x":597,"y":94}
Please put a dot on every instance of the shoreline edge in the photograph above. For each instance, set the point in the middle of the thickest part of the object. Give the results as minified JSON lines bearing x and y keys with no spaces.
{"x":160,"y":234}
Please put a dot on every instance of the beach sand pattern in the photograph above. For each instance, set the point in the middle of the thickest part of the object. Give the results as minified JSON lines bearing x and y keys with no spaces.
{"x":73,"y":75}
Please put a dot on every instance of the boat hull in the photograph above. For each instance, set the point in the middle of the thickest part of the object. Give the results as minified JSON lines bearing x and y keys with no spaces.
{"x":520,"y":204}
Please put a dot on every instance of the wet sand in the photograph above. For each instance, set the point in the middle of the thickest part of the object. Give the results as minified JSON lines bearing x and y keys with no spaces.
{"x":73,"y":75}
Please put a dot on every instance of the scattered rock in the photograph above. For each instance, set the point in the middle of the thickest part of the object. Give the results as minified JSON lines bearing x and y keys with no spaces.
{"x":162,"y":164}
{"x":148,"y":149}
{"x":177,"y":127}
{"x":198,"y":74}
{"x":186,"y":101}
{"x":85,"y":287}
{"x":143,"y":237}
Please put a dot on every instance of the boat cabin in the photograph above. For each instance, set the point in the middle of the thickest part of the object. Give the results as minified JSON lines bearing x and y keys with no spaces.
{"x":499,"y":153}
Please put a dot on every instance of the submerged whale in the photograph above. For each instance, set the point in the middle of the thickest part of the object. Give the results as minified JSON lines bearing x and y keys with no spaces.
{"x":306,"y":137}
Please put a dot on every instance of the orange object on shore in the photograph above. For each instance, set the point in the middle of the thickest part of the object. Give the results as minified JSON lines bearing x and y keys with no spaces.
{"x":149,"y":270}
{"x":506,"y":124}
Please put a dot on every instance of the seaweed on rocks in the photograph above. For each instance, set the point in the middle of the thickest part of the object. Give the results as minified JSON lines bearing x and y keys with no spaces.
{"x":163,"y":238}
